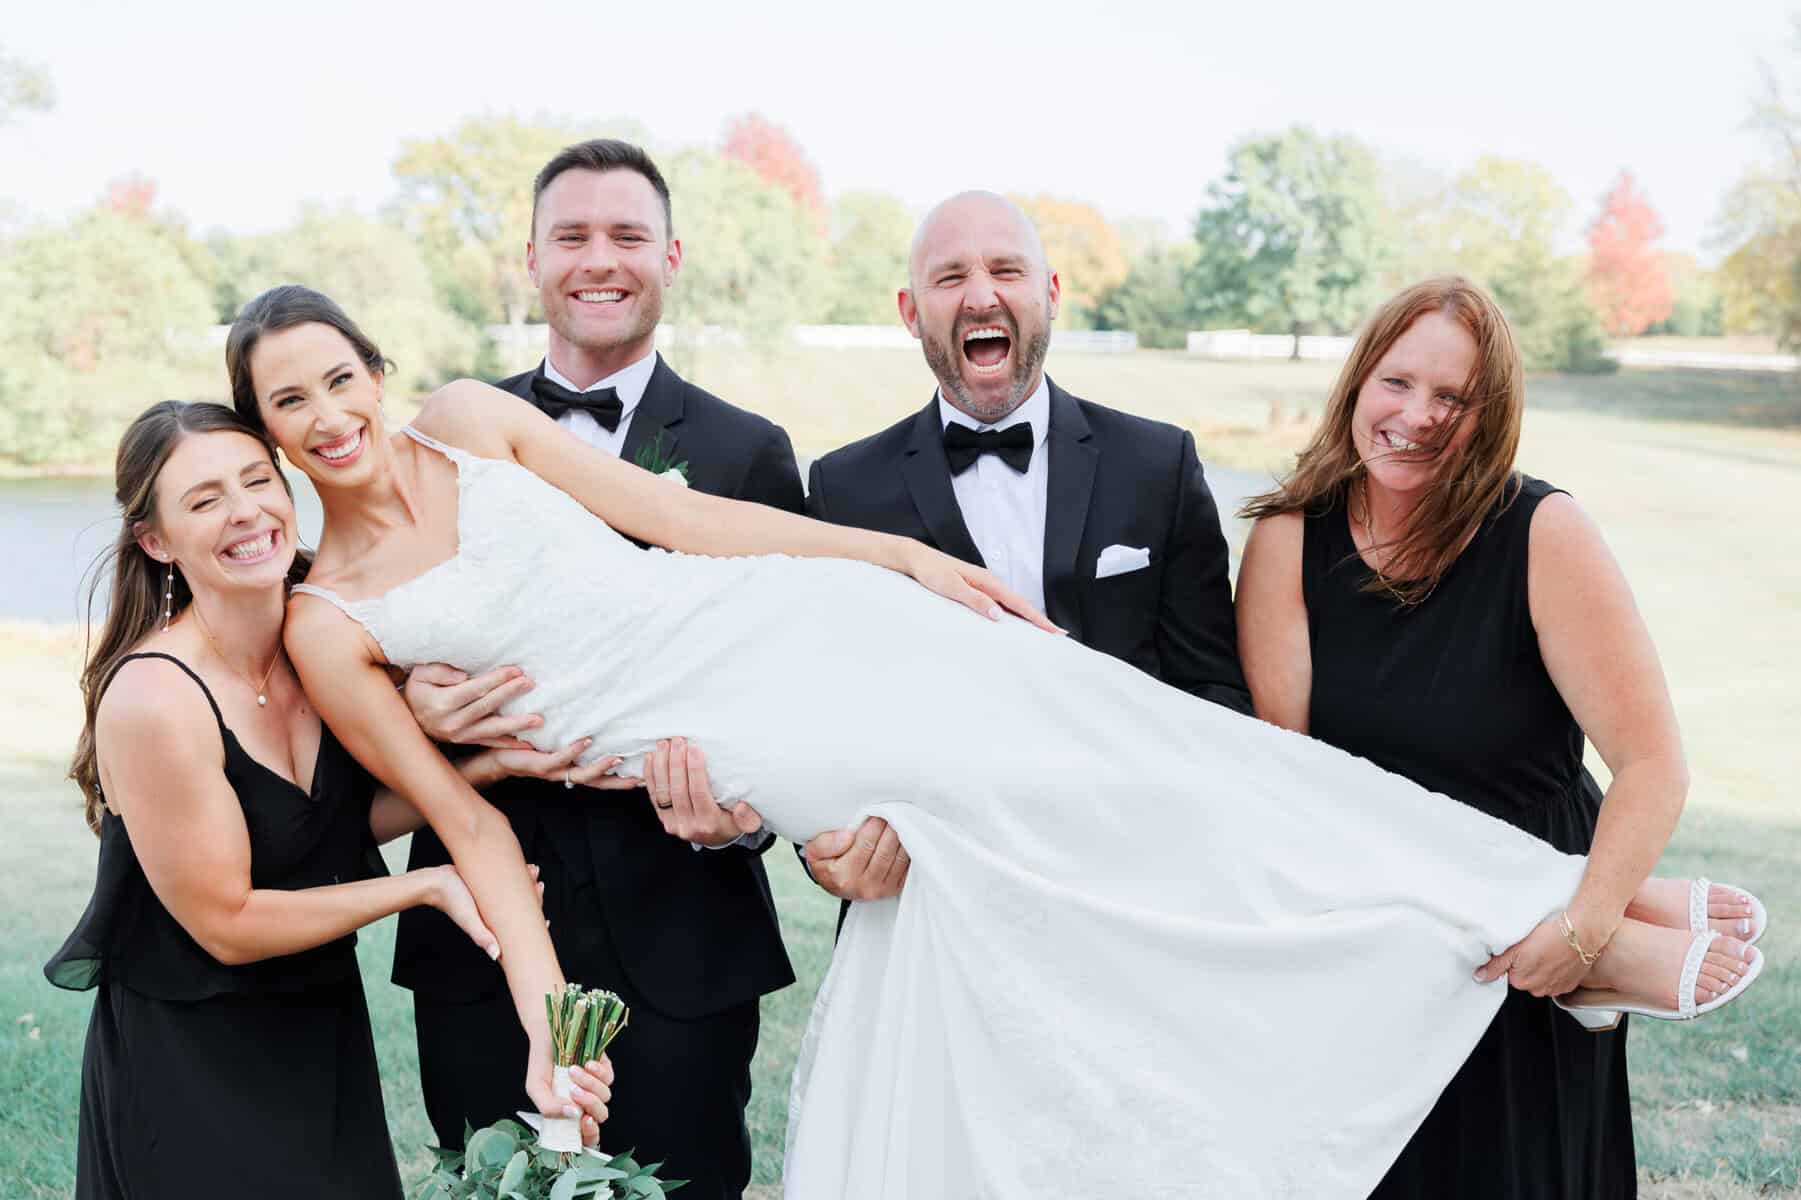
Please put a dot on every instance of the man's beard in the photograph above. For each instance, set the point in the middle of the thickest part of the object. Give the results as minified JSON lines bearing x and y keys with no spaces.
{"x":650,"y":311}
{"x":1028,"y":357}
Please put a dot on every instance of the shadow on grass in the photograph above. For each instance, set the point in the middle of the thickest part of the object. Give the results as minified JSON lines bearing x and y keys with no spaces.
{"x":1748,"y":399}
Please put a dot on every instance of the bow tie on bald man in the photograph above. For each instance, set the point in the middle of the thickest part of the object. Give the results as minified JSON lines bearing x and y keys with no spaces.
{"x":963,"y":445}
{"x":603,"y":404}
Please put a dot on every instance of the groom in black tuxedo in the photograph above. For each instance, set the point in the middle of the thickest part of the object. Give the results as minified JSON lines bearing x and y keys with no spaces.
{"x":1101,"y":518}
{"x":686,"y":933}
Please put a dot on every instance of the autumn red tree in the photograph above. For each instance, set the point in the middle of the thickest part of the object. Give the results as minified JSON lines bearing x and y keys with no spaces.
{"x":130,"y":196}
{"x":1628,"y":278}
{"x":767,"y":149}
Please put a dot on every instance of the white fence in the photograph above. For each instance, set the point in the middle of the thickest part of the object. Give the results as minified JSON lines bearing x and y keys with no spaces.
{"x":853,"y":337}
{"x":1703,"y":360}
{"x":519,"y":341}
{"x":1242,"y":343}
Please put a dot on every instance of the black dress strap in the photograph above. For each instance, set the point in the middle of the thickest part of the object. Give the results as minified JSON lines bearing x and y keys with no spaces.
{"x":189,"y":671}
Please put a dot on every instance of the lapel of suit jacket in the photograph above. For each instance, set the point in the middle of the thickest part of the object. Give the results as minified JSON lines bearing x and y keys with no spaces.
{"x":660,"y":411}
{"x":928,"y":478}
{"x":1068,"y":490}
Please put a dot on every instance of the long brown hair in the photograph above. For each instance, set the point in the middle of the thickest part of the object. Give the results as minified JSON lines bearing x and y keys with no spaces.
{"x":135,"y":603}
{"x":1472,"y":481}
{"x":281,"y":308}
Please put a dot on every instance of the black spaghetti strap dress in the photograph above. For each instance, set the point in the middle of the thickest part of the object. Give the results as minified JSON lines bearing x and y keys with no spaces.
{"x":202,"y":1079}
{"x":1454,"y":695}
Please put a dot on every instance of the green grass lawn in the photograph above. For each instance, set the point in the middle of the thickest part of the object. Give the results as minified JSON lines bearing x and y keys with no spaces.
{"x":1719,"y":1100}
{"x":1693,"y":482}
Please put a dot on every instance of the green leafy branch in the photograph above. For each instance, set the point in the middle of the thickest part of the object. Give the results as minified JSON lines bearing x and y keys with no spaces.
{"x":504,"y":1162}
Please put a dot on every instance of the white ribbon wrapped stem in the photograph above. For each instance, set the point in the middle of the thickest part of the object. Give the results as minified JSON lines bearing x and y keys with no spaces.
{"x":562,"y":1134}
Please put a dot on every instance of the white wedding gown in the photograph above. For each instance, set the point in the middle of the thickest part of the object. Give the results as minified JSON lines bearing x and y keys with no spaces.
{"x":1148,"y":947}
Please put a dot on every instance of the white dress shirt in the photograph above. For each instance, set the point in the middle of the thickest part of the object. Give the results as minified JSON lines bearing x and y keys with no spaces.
{"x":629,"y":382}
{"x":1004,"y":509}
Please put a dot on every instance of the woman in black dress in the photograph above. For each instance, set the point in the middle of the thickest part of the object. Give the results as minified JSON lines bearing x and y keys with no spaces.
{"x":229,"y":1049}
{"x":1409,"y":597}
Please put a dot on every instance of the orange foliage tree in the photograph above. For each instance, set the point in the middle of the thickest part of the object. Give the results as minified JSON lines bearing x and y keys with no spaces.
{"x":1628,"y":278}
{"x":773,"y":154}
{"x":1084,"y":250}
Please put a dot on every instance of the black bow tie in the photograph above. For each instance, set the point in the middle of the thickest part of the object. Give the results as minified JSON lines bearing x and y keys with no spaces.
{"x":602,"y":404}
{"x":963,"y":445}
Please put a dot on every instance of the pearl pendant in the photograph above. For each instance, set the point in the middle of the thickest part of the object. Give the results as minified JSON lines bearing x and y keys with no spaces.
{"x":261,"y":700}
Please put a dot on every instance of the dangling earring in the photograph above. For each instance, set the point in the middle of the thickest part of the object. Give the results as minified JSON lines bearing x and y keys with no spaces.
{"x":169,"y":597}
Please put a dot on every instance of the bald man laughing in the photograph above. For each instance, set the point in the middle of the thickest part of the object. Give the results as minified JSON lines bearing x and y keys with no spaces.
{"x":1101,"y":518}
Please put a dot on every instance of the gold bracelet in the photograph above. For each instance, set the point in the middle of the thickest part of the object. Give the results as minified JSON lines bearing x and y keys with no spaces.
{"x":1569,"y":935}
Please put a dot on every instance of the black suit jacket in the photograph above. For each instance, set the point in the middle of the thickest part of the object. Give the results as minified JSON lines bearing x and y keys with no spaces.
{"x":695,"y":929}
{"x":1115,"y":479}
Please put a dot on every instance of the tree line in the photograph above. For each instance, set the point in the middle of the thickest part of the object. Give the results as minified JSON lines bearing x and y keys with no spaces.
{"x":1300,"y":233}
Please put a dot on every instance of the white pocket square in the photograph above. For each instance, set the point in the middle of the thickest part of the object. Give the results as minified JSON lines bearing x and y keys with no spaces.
{"x":1120,"y":560}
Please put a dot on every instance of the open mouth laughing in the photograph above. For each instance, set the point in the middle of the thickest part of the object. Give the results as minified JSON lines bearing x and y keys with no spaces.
{"x":987,"y":349}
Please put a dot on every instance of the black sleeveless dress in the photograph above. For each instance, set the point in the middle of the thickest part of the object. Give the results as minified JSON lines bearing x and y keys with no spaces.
{"x":1454,"y":695}
{"x":201,"y":1079}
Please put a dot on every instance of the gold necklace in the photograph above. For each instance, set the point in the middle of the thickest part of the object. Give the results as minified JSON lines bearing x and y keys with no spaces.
{"x":262,"y":689}
{"x":1388,"y":585}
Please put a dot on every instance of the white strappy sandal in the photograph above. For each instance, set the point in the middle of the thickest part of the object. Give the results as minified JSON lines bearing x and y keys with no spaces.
{"x":1603,"y":1016}
{"x":1697,"y":911}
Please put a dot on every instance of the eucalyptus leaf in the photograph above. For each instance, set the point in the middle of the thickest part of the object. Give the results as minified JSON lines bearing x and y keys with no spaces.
{"x":564,"y":1188}
{"x":490,"y":1147}
{"x":435,"y":1189}
{"x":514,"y":1175}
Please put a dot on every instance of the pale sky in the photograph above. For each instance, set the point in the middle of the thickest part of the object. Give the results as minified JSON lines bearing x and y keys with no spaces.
{"x":242,"y":112}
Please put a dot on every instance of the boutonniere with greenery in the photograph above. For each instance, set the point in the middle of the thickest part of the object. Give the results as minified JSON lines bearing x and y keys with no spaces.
{"x":651,"y":458}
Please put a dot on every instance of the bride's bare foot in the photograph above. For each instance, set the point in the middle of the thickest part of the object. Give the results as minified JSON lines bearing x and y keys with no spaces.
{"x":1643,"y":963}
{"x":1665,"y":902}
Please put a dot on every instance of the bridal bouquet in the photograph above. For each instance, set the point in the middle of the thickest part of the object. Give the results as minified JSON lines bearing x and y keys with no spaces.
{"x":502,"y":1162}
{"x":582,"y":1025}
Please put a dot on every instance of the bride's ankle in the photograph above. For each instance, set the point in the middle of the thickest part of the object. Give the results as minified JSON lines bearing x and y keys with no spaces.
{"x":1645,"y":961}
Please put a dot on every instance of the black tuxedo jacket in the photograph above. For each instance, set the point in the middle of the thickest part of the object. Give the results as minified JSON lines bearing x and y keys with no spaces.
{"x":1115,"y":479}
{"x":695,"y":929}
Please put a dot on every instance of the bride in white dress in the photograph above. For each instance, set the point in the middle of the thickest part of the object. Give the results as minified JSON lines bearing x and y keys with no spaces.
{"x":1147,"y":946}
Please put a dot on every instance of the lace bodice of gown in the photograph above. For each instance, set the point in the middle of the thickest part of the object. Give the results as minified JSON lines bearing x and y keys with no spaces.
{"x":539,"y":582}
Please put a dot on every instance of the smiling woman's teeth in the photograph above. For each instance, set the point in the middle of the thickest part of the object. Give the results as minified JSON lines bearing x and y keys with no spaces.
{"x":342,"y":450}
{"x":254,"y":548}
{"x":1398,"y":443}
